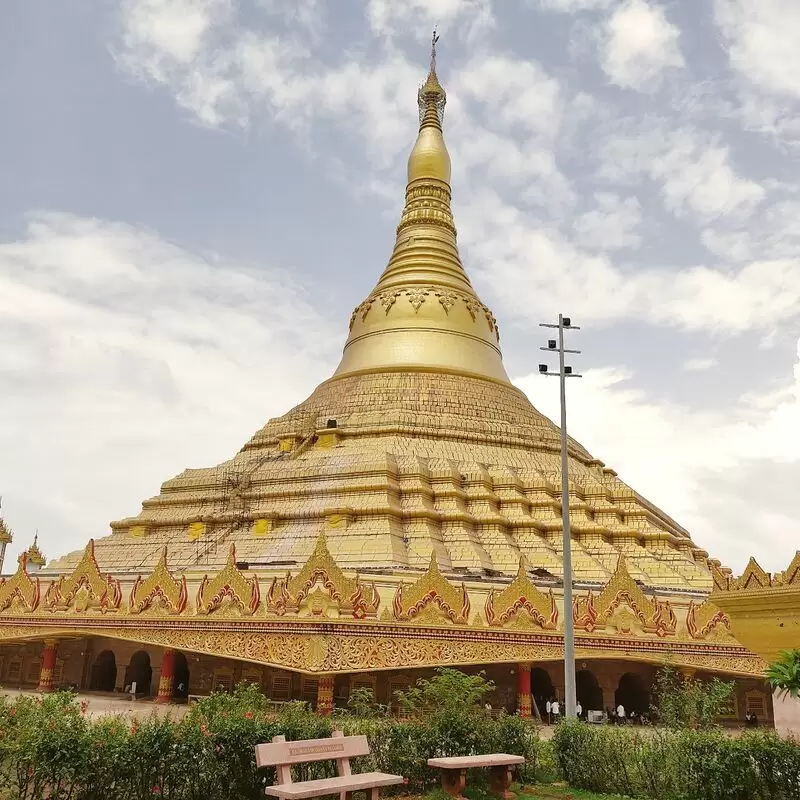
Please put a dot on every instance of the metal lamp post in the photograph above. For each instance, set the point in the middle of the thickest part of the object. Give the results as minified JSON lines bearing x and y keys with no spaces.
{"x":564,"y":372}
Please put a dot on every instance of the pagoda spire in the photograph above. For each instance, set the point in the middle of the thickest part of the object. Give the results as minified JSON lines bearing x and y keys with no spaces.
{"x":5,"y":536}
{"x":424,"y":313}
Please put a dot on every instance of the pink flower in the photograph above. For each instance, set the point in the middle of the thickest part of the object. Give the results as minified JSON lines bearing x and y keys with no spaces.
{"x":156,"y":790}
{"x":84,"y":706}
{"x":249,"y":715}
{"x":204,"y":729}
{"x":405,"y":780}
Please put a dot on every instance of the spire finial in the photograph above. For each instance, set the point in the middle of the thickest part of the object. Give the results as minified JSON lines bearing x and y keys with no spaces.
{"x":432,"y":96}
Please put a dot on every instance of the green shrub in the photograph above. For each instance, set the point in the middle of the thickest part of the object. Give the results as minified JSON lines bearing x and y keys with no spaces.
{"x":50,"y":750}
{"x":671,"y":764}
{"x":683,"y":702}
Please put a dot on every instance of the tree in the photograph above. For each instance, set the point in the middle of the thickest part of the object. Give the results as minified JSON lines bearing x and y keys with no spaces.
{"x":683,"y":702}
{"x":448,"y":689}
{"x":784,"y":674}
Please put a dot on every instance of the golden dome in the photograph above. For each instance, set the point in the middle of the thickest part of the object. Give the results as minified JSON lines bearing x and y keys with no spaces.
{"x":424,"y":314}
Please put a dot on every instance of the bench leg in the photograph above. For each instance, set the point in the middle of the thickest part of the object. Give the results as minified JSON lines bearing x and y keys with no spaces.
{"x":499,"y":781}
{"x":454,"y":781}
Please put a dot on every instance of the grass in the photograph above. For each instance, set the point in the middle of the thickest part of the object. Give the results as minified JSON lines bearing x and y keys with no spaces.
{"x":546,"y":792}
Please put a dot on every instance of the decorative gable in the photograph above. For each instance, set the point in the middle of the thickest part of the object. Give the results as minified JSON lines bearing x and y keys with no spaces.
{"x":229,"y":584}
{"x":432,"y":599}
{"x":20,"y":591}
{"x":86,"y":589}
{"x":521,"y":601}
{"x":705,"y":619}
{"x":624,"y":607}
{"x":160,"y":590}
{"x":323,"y":589}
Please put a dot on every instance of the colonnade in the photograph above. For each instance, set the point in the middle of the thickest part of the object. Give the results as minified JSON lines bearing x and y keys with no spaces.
{"x":523,"y":688}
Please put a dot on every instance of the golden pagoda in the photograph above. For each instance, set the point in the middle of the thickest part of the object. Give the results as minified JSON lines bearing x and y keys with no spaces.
{"x":407,"y":515}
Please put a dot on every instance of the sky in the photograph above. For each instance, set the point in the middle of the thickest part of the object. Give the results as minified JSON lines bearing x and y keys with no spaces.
{"x":194,"y":194}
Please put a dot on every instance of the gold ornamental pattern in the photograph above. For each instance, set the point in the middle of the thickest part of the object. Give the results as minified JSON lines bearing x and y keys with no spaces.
{"x":161,"y":589}
{"x":622,"y":593}
{"x":85,"y":589}
{"x":229,"y":586}
{"x":349,"y":595}
{"x":418,"y":296}
{"x":20,"y":592}
{"x":521,"y":599}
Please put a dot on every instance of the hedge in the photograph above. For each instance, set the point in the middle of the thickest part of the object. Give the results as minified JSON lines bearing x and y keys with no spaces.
{"x":678,"y":764}
{"x":52,"y":748}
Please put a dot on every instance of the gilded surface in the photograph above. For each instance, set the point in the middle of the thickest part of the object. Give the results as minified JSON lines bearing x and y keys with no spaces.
{"x":228,"y":589}
{"x":623,"y":605}
{"x":160,"y":590}
{"x":764,"y":610}
{"x":85,"y":589}
{"x":704,"y":619}
{"x":431,"y":599}
{"x":21,"y":591}
{"x":347,"y":596}
{"x":521,"y":598}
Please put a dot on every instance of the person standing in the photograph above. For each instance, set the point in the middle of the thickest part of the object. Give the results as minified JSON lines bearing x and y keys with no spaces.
{"x":556,"y":708}
{"x":620,"y":714}
{"x":579,"y":710}
{"x":549,"y":709}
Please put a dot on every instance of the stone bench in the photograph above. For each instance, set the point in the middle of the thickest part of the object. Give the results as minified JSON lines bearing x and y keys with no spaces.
{"x":454,"y":772}
{"x":282,"y":754}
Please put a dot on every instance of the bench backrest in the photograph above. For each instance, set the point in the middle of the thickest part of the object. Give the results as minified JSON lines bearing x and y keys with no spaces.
{"x":281,"y":753}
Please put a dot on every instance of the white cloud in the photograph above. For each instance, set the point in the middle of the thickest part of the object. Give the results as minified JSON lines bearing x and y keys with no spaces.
{"x":763,"y":38}
{"x":638,"y":45}
{"x":389,"y":17}
{"x":699,"y":364}
{"x":571,"y":6}
{"x":692,"y":167}
{"x":611,"y":225}
{"x":170,"y":30}
{"x":704,"y":468}
{"x":125,"y":359}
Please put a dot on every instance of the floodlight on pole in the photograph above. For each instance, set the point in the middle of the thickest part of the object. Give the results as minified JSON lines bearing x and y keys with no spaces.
{"x":564,"y":372}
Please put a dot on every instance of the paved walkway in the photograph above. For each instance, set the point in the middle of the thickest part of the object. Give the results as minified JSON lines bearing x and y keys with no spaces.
{"x":101,"y":704}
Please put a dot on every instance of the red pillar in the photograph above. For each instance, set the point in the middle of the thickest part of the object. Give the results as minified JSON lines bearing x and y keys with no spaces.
{"x":524,"y":703}
{"x":47,"y":672}
{"x":325,"y":695}
{"x":167,"y":678}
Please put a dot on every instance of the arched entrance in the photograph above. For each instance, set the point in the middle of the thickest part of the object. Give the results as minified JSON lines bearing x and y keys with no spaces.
{"x":139,"y":672}
{"x":633,"y":694}
{"x":588,"y":691}
{"x":541,"y":688}
{"x":104,"y":672}
{"x":180,"y":685}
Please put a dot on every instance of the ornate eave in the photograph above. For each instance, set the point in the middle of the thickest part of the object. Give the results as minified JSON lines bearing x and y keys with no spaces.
{"x":427,"y":622}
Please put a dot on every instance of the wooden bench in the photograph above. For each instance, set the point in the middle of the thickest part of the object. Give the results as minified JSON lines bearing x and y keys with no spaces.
{"x":454,"y":772}
{"x":282,"y":754}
